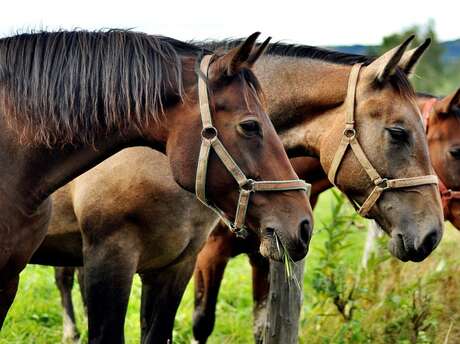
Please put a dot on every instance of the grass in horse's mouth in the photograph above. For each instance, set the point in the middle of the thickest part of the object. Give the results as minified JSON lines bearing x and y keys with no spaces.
{"x":288,"y":262}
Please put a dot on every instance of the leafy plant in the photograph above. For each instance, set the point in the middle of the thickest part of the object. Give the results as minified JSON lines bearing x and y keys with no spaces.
{"x":332,"y":279}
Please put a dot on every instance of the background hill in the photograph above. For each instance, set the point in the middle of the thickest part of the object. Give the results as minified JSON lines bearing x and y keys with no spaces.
{"x":451,"y":49}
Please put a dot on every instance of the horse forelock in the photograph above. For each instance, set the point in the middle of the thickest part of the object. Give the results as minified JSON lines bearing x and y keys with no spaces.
{"x":71,"y":86}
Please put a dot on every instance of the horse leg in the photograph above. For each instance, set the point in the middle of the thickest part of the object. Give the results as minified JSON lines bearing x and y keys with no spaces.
{"x":260,"y":289}
{"x":81,"y":283}
{"x":161,"y":294}
{"x":18,"y":242}
{"x":108,"y":273}
{"x":64,"y":277}
{"x":209,"y":271}
{"x":8,"y":291}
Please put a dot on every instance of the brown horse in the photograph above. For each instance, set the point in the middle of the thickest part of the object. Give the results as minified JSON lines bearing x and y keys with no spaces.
{"x":69,"y":100}
{"x":442,"y":116}
{"x":381,"y":85}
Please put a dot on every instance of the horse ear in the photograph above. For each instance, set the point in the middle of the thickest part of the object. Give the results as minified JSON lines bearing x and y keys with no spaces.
{"x":384,"y":66}
{"x":232,"y":62}
{"x":411,"y":57}
{"x":259,"y":52}
{"x":448,"y":103}
{"x":455,"y":100}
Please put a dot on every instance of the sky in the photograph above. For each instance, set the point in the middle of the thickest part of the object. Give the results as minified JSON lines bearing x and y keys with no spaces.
{"x":309,"y":22}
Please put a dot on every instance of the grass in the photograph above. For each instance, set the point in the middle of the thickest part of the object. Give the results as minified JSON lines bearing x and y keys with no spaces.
{"x":391,"y":298}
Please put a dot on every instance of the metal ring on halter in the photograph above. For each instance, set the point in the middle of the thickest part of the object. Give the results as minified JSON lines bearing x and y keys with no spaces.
{"x":209,"y":133}
{"x":349,"y":133}
{"x":447,"y":194}
{"x":383,"y":184}
{"x":249,"y":185}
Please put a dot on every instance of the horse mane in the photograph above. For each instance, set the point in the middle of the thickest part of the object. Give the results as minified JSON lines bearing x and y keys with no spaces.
{"x":71,"y":86}
{"x":398,"y":80}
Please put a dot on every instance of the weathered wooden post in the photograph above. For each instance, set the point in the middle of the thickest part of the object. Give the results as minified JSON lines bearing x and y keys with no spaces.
{"x":373,"y":233}
{"x":284,"y":304}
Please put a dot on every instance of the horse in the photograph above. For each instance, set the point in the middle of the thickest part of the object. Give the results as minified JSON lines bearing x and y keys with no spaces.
{"x":70,"y":99}
{"x":392,"y":87}
{"x":441,"y":117}
{"x":442,"y":122}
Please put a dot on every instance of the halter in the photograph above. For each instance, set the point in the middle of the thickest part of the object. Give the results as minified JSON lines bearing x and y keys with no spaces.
{"x":247,"y":186}
{"x":447,"y":195}
{"x":349,"y":139}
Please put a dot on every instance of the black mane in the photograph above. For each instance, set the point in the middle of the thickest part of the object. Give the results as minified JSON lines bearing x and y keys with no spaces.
{"x":294,"y":50}
{"x":71,"y":86}
{"x":398,"y":80}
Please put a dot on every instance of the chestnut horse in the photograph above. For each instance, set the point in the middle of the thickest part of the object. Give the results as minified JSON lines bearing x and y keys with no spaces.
{"x":384,"y":98}
{"x":69,"y":100}
{"x":442,"y":118}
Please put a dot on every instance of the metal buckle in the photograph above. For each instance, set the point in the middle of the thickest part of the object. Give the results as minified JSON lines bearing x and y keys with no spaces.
{"x":248,"y":186}
{"x":383,"y":184}
{"x":209,"y":133}
{"x":239,"y":232}
{"x":447,"y":194}
{"x":349,"y":133}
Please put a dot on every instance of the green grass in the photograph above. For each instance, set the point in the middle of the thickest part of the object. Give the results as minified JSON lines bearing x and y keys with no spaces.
{"x":35,"y":316}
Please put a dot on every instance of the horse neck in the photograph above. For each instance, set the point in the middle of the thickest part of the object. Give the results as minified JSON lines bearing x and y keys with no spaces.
{"x":30,"y":174}
{"x":303,"y":99}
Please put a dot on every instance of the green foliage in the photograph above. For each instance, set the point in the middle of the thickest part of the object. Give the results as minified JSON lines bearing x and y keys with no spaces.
{"x":329,"y":277}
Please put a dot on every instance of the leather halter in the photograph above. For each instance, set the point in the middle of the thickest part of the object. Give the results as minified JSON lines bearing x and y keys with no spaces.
{"x":247,"y":186}
{"x":447,"y":195}
{"x":349,"y":139}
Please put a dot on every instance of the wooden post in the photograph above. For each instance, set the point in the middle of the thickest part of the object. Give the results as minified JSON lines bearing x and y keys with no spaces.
{"x":284,"y":305}
{"x":373,"y":233}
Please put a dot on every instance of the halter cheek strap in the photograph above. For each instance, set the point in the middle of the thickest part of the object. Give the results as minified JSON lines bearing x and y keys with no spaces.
{"x":349,"y":139}
{"x":209,"y":139}
{"x":447,"y":195}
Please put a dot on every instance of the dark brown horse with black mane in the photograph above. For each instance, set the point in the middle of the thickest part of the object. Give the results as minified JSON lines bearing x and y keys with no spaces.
{"x":306,"y":96}
{"x":69,"y":100}
{"x":442,"y":122}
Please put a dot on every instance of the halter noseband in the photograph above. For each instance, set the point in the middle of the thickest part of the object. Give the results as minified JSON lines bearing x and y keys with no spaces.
{"x":349,"y":139}
{"x":447,"y":195}
{"x":209,"y":139}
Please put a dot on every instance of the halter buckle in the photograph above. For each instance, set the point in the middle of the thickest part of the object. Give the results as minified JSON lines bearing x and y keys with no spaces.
{"x":241,"y":233}
{"x":209,"y":133}
{"x":383,"y":184}
{"x":349,"y":133}
{"x":447,"y":194}
{"x":249,"y":185}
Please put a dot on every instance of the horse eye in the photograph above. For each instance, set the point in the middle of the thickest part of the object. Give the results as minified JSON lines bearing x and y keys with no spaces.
{"x":398,"y":134}
{"x":250,"y":128}
{"x":455,"y":153}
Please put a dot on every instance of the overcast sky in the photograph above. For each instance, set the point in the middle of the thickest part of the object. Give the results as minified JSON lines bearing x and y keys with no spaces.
{"x":319,"y":22}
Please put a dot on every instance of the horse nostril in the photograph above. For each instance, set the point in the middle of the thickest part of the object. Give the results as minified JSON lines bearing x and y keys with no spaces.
{"x":401,"y":242}
{"x":431,"y":240}
{"x":269,"y":231}
{"x":305,"y":232}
